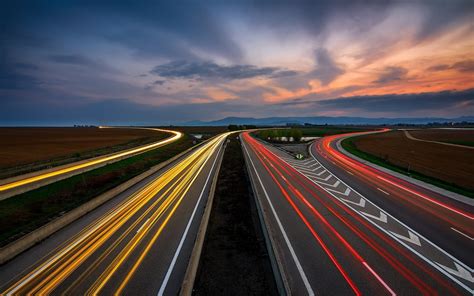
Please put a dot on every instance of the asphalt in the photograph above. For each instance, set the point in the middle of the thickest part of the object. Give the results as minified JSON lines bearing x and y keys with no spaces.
{"x":139,"y":243}
{"x":336,"y":233}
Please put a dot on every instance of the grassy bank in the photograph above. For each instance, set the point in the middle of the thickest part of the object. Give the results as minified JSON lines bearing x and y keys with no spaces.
{"x":25,"y":212}
{"x":350,"y":146}
{"x":234,"y":260}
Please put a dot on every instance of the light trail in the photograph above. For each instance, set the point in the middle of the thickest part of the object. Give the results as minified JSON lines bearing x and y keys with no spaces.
{"x":96,"y":161}
{"x":292,"y":177}
{"x":114,"y":236}
{"x":372,"y":174}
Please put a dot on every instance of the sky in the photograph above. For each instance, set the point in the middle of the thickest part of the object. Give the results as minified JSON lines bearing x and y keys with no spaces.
{"x":169,"y":62}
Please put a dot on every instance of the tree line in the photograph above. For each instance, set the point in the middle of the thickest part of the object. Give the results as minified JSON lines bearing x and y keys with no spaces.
{"x":277,"y":135}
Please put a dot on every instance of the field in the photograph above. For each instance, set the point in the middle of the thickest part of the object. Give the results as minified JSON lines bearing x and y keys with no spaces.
{"x":458,"y":136}
{"x":23,"y":213}
{"x":446,"y":166}
{"x":28,"y":149}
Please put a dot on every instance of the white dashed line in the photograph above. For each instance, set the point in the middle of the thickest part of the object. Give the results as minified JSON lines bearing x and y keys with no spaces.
{"x":462,"y":233}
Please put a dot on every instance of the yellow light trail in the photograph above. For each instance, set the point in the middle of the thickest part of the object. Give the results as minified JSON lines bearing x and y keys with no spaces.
{"x":143,"y":208}
{"x":99,"y":160}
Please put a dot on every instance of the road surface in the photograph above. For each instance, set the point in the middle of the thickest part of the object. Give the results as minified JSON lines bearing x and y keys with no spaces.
{"x":139,"y":243}
{"x":334,"y":233}
{"x":20,"y":184}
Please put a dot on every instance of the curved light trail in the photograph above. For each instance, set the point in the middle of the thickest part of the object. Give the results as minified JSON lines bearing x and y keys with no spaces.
{"x":96,"y":161}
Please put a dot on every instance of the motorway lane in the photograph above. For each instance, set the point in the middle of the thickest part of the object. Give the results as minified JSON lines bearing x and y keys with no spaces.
{"x":335,"y":250}
{"x":139,"y":244}
{"x":18,"y":183}
{"x":445,"y":221}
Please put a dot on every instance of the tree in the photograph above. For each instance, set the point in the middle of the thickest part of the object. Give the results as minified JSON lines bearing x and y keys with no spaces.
{"x":297,"y":134}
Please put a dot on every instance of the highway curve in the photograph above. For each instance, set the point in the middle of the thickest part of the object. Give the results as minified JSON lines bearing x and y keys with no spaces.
{"x":139,"y":243}
{"x":23,"y":183}
{"x":337,"y":230}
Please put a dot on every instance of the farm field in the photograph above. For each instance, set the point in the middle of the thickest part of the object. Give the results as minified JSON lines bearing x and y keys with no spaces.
{"x":453,"y":136}
{"x":450,"y":164}
{"x":35,"y":147}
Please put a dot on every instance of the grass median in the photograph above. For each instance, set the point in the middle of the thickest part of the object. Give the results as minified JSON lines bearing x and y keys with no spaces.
{"x":350,"y":146}
{"x":26,"y":212}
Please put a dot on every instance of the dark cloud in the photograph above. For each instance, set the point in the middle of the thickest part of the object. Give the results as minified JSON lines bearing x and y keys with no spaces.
{"x":326,"y":69}
{"x":441,"y":67}
{"x":441,"y":15}
{"x":464,"y":66}
{"x":284,"y":73}
{"x":26,"y":66}
{"x":159,"y":82}
{"x":463,"y":100}
{"x":210,"y":70}
{"x":71,"y":59}
{"x":14,"y":77}
{"x":148,"y":28}
{"x":392,"y":74}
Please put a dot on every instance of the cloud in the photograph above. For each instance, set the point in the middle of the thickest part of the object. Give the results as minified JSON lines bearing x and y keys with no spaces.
{"x":440,"y":67}
{"x":159,"y":82}
{"x":71,"y":59}
{"x":210,"y":70}
{"x":392,"y":74}
{"x":445,"y":100}
{"x":14,"y":77}
{"x":284,"y":73}
{"x":326,"y":70}
{"x":462,"y":66}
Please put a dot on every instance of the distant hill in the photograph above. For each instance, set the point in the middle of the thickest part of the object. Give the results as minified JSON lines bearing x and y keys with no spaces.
{"x":320,"y":120}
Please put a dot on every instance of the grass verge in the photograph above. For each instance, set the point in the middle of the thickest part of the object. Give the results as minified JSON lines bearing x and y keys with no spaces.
{"x":234,"y":259}
{"x":25,"y":212}
{"x":349,"y":145}
{"x":329,"y":130}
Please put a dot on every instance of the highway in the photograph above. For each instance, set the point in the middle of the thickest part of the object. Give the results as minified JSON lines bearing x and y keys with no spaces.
{"x":138,"y":243}
{"x":336,"y":230}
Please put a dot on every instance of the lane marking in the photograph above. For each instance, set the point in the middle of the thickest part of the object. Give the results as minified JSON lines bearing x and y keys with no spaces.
{"x":462,"y":233}
{"x":350,"y":172}
{"x":282,"y":230}
{"x":383,"y":191}
{"x":185,"y":233}
{"x":413,"y":236}
{"x":426,"y":198}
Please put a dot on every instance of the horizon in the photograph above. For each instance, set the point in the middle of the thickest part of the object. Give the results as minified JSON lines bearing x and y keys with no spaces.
{"x":161,"y":63}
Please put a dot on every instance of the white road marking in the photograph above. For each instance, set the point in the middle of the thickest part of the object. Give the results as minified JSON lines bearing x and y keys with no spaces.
{"x":413,"y":237}
{"x":382,"y":217}
{"x":425,"y":198}
{"x":350,"y":172}
{"x":282,"y":229}
{"x":462,"y":233}
{"x":460,"y":272}
{"x":383,"y":191}
{"x":183,"y":237}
